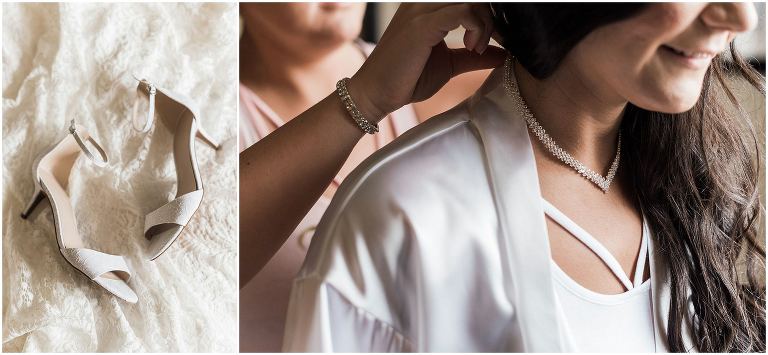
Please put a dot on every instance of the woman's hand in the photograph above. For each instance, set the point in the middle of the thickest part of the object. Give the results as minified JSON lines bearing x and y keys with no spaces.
{"x":412,"y":62}
{"x":283,"y":175}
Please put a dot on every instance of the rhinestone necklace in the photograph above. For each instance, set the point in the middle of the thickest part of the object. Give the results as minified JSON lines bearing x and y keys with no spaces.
{"x":514,"y":92}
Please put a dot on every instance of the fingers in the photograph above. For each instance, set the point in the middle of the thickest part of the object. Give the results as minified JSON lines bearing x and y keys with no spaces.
{"x":390,"y":79}
{"x":475,"y":19}
{"x":484,"y":12}
{"x":424,"y":7}
{"x":464,"y":60}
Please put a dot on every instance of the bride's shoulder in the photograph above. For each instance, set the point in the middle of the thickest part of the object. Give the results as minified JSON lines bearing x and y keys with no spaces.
{"x":421,"y":180}
{"x":441,"y":148}
{"x":427,"y":169}
{"x":445,"y":154}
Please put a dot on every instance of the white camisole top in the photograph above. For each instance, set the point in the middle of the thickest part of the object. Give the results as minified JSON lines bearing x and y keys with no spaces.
{"x":599,"y":322}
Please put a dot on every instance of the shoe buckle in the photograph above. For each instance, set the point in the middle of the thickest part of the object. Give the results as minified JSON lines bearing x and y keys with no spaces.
{"x":151,"y":89}
{"x":148,"y":87}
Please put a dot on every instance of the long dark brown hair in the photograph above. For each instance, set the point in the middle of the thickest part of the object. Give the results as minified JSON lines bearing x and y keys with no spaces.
{"x":695,"y":175}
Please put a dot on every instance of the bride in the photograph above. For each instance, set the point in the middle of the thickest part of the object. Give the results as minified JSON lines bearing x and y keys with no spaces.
{"x":593,"y":195}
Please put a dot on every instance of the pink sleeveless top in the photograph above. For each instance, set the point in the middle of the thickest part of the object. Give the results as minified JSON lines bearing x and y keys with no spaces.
{"x":264,"y":300}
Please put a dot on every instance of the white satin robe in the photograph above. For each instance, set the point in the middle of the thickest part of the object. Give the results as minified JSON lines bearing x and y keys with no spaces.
{"x":438,"y":243}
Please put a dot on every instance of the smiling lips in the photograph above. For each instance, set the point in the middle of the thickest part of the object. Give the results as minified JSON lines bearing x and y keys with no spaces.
{"x":691,"y":58}
{"x":697,"y":54}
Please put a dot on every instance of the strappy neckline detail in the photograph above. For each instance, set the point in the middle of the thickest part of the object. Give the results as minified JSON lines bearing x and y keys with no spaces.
{"x":596,"y":247}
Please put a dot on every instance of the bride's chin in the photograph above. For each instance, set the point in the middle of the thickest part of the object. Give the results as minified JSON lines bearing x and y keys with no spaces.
{"x":671,"y":105}
{"x":675,"y":96}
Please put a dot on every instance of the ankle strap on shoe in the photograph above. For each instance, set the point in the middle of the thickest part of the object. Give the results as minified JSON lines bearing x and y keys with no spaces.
{"x":151,"y":91}
{"x":102,"y":159}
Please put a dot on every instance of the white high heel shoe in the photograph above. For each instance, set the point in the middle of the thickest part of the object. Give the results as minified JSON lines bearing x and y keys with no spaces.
{"x":51,"y":172}
{"x":180,"y":115}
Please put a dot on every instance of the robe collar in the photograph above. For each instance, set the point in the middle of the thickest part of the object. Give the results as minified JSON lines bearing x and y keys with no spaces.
{"x":524,"y":244}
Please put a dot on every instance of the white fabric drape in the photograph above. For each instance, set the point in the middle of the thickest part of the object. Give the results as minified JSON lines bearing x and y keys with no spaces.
{"x":440,"y":239}
{"x":339,"y":319}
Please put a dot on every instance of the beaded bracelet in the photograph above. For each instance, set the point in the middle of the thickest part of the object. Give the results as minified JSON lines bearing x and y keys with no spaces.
{"x":367,"y":126}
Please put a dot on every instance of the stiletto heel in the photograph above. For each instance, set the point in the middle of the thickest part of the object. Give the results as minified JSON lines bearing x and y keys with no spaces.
{"x":180,"y":115}
{"x":37,"y":197}
{"x":50,"y":173}
{"x":203,"y":136}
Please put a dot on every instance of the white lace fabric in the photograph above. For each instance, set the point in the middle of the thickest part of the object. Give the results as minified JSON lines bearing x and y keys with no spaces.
{"x":64,"y":61}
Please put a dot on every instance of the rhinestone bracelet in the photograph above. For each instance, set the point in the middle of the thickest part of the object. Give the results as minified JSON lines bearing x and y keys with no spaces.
{"x":367,"y":126}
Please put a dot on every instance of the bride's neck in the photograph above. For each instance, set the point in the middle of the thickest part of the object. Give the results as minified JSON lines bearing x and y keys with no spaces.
{"x":580,"y":117}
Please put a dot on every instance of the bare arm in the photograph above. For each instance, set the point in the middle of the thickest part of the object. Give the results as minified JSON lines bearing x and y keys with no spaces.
{"x":283,"y":175}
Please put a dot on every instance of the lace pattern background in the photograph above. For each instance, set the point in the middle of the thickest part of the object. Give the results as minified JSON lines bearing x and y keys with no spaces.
{"x":75,"y":60}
